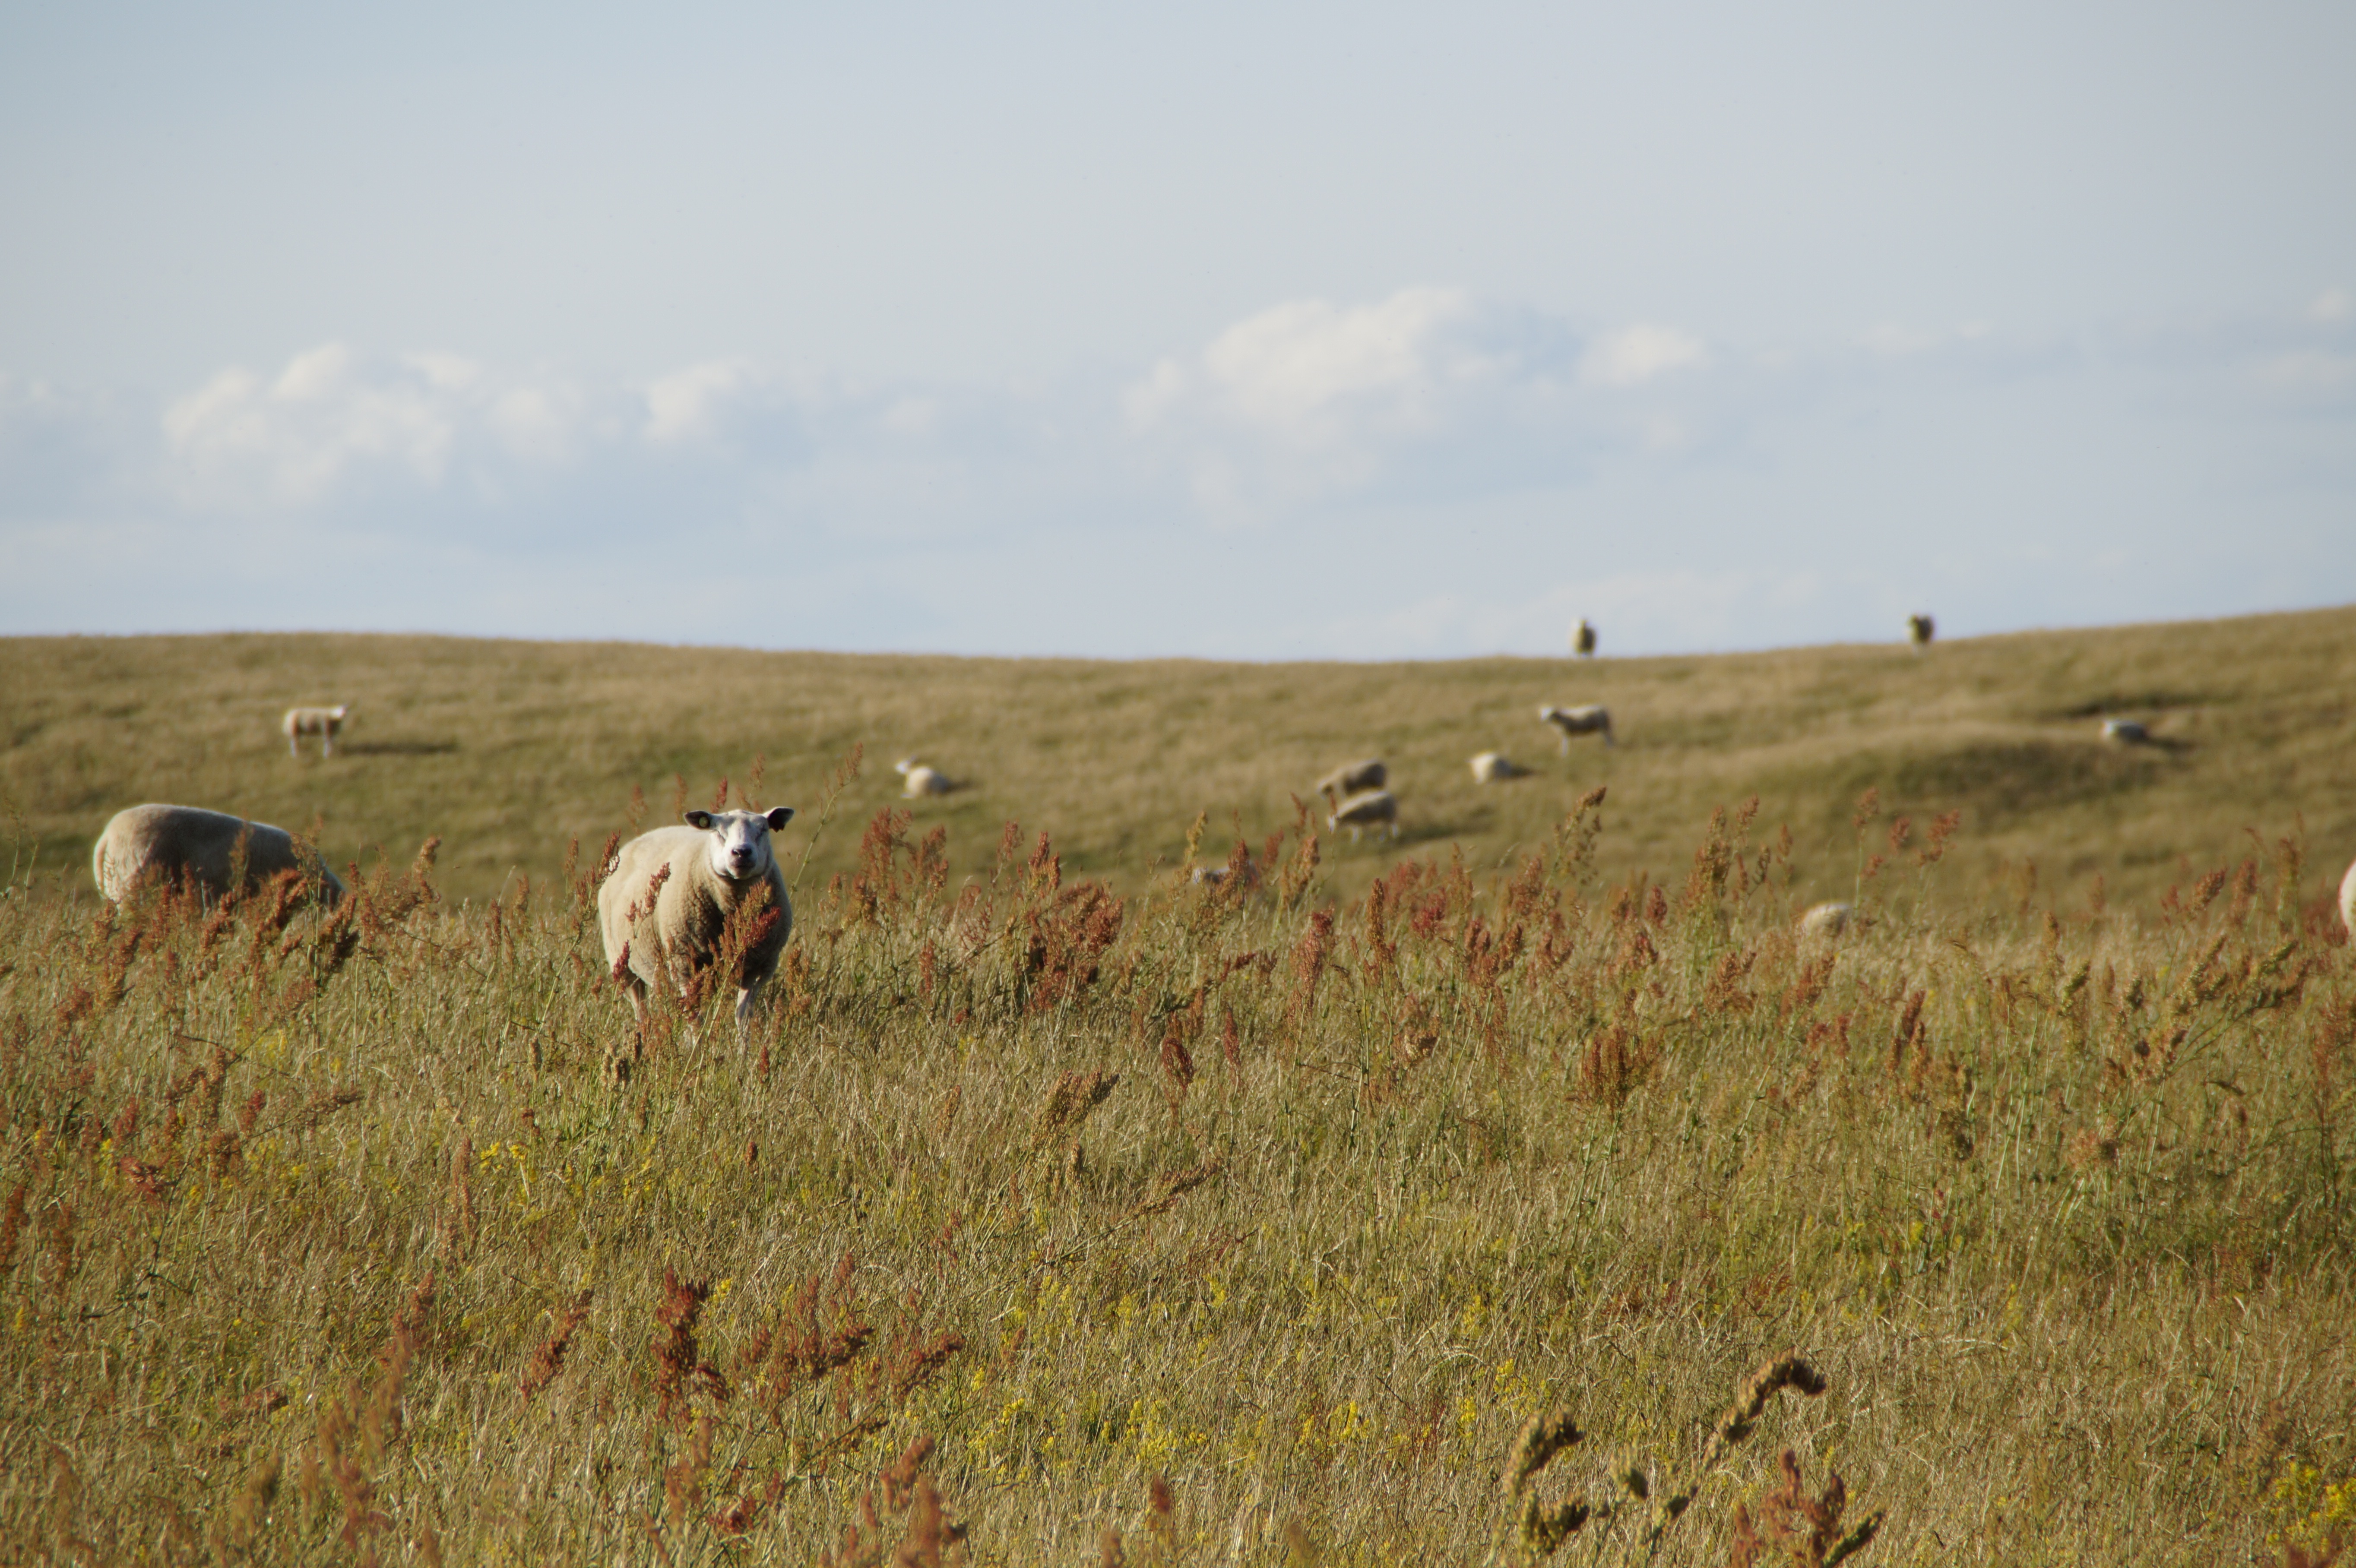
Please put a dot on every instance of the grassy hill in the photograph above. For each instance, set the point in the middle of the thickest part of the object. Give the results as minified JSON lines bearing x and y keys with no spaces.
{"x":509,"y":750}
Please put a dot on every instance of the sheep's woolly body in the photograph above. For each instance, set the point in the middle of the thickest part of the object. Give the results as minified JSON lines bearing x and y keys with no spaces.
{"x":1363,"y":811}
{"x":1356,"y":778}
{"x":1587,"y":720}
{"x":681,"y":934}
{"x":2348,"y":900}
{"x":166,"y":842}
{"x":1491,"y":766}
{"x":325,"y":722}
{"x":1825,"y":919}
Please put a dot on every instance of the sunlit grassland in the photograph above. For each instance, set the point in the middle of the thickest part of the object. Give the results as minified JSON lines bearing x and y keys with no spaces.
{"x":509,"y":751}
{"x":1252,"y":1223}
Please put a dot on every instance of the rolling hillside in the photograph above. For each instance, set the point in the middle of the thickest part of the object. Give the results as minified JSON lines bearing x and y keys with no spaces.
{"x":509,"y":750}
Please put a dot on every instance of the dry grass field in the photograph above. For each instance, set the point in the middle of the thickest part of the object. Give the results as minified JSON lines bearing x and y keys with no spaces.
{"x":508,"y":751}
{"x":1462,"y":1200}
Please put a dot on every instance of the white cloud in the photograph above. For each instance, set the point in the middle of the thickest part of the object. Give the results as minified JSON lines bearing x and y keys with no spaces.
{"x":1635,"y":355}
{"x":687,"y":405}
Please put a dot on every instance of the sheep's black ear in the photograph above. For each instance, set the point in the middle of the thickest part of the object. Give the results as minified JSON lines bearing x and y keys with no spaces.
{"x":698,"y":819}
{"x":780,"y":816}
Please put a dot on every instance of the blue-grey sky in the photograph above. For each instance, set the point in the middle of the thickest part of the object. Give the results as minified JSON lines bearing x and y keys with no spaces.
{"x":1356,"y":331}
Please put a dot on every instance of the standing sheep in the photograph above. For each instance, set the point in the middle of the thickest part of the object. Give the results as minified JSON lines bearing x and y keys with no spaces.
{"x":1582,"y":639}
{"x":1590,"y":719}
{"x":664,"y":911}
{"x":1491,"y":766}
{"x":325,"y":722}
{"x":921,"y":781}
{"x":1919,"y":629}
{"x":1354,"y":778}
{"x":168,"y":842}
{"x":1360,"y":812}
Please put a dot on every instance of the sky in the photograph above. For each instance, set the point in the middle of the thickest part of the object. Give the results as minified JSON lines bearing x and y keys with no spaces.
{"x":1268,"y":331}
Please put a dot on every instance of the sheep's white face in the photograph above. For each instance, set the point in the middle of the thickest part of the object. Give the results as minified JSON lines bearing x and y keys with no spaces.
{"x":737,"y":842}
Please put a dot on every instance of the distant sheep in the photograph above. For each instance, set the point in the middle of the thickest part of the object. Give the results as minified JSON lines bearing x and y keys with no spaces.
{"x":2348,"y":900}
{"x":663,"y":910}
{"x":1587,"y":720}
{"x":325,"y":722}
{"x":1920,"y":629}
{"x":1354,"y":778}
{"x":1360,"y":812}
{"x":1582,"y":639}
{"x":1491,"y":766}
{"x":919,"y":781}
{"x":168,"y":842}
{"x":1830,"y":919}
{"x":2124,"y":732}
{"x":1216,"y":876}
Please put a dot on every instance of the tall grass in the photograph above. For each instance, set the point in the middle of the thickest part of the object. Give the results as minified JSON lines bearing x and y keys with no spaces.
{"x":1199,"y":1222}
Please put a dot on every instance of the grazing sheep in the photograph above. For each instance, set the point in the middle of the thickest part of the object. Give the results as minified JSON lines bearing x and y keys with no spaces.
{"x":1355,"y":778}
{"x":1216,"y":876}
{"x":2124,"y":732}
{"x":1588,"y":720}
{"x":1829,"y":919}
{"x":664,"y":908}
{"x":1491,"y":766}
{"x":325,"y":722}
{"x":1919,"y":629}
{"x":1582,"y":639}
{"x":1361,"y":811}
{"x":168,"y":842}
{"x":920,"y":780}
{"x":2348,"y":900}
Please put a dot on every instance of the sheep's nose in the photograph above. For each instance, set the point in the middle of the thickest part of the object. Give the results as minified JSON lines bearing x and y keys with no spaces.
{"x":742,"y":855}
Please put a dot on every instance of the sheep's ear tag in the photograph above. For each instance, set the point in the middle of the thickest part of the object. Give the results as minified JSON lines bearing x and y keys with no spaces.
{"x":780,"y":816}
{"x":698,"y":819}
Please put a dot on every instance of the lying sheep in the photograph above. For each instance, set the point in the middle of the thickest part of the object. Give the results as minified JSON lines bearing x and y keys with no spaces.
{"x":1216,"y":876}
{"x":920,"y":780}
{"x":1491,"y":766}
{"x":1825,"y":919}
{"x":168,"y":842}
{"x":1590,"y":719}
{"x":2348,"y":900}
{"x":325,"y":722}
{"x":1582,"y":639}
{"x":663,"y":910}
{"x":1363,"y":811}
{"x":2124,"y":732}
{"x":1354,"y":778}
{"x":1920,"y":629}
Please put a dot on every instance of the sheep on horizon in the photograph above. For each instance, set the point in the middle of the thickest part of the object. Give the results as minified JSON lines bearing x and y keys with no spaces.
{"x":919,"y":781}
{"x":1356,"y":778}
{"x":1489,"y":767}
{"x":2124,"y":732}
{"x":664,"y":909}
{"x":220,"y":853}
{"x":1590,"y":719}
{"x":325,"y":722}
{"x":1919,"y":629}
{"x":1582,"y":639}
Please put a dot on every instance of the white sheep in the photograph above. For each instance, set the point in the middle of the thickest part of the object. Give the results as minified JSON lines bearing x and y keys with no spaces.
{"x":1919,"y":629}
{"x":168,"y":842}
{"x":1590,"y":719}
{"x":1363,"y":811}
{"x":920,"y":780}
{"x":1355,"y":778}
{"x":2124,"y":732}
{"x":663,"y":910}
{"x":1491,"y":766}
{"x":2348,"y":900}
{"x":1826,"y":920}
{"x":325,"y":722}
{"x":1582,"y":639}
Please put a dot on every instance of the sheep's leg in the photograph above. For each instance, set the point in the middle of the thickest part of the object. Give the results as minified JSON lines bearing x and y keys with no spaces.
{"x":327,"y":744}
{"x":745,"y":1009}
{"x":291,"y":749}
